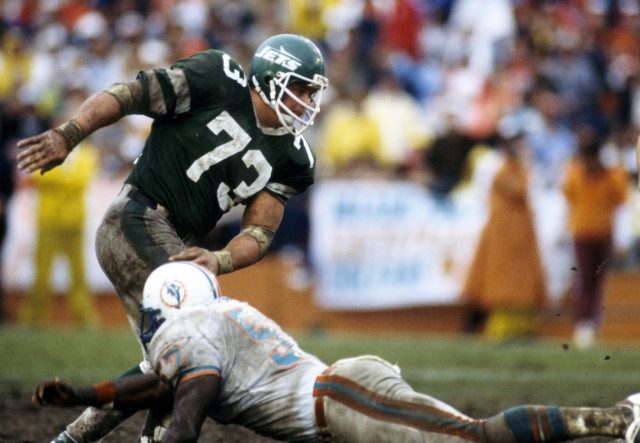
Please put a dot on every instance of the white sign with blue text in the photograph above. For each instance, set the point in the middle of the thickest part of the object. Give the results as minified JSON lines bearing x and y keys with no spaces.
{"x":378,"y":244}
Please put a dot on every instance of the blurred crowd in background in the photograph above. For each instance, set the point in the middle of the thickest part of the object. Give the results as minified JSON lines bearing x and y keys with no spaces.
{"x":417,"y":86}
{"x":407,"y":76}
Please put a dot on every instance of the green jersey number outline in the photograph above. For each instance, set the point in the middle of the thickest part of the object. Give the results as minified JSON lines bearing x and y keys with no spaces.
{"x":252,"y":158}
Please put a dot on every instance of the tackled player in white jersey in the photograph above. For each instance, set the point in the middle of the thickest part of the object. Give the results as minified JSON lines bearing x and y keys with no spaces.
{"x":219,"y":357}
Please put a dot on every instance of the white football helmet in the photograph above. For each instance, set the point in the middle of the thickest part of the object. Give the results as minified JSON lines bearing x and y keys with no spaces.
{"x":170,"y":288}
{"x":177,"y":285}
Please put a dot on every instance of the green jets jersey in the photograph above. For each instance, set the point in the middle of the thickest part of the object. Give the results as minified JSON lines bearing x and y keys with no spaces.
{"x":206,"y":152}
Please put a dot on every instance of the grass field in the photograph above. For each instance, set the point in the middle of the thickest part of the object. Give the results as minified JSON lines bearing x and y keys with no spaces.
{"x":473,"y":375}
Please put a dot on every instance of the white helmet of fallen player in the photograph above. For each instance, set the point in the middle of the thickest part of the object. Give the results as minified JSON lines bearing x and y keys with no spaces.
{"x":172,"y":287}
{"x":178,"y":285}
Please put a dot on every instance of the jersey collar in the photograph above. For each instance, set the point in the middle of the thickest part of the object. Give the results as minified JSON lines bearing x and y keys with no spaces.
{"x":272,"y":131}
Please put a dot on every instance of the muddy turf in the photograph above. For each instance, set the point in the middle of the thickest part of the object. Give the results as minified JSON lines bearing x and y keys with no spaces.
{"x":23,"y":422}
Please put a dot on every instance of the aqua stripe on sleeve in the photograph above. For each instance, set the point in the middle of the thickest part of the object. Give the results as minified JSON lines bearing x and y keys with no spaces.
{"x":197,"y":371}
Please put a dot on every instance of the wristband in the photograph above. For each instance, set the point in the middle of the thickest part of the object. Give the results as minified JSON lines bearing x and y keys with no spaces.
{"x":225,"y":262}
{"x":72,"y":133}
{"x":105,"y":392}
{"x":261,"y":235}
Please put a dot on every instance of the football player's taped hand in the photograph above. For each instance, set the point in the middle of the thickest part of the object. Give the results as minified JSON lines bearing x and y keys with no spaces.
{"x":55,"y":392}
{"x":201,"y":256}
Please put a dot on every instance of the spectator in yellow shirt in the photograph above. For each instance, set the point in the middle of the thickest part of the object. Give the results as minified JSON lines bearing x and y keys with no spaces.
{"x":60,"y":232}
{"x":351,"y":141}
{"x":593,"y":192}
{"x":307,"y":17}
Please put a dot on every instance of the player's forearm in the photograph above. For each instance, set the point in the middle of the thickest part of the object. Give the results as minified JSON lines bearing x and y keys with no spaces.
{"x":245,"y":249}
{"x":98,"y":111}
{"x":259,"y":224}
{"x":102,"y":109}
{"x":194,"y":398}
{"x":240,"y":252}
{"x":140,"y":391}
{"x":130,"y":393}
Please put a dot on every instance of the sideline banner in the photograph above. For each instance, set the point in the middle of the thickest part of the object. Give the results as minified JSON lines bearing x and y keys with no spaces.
{"x":378,"y":244}
{"x":382,"y":244}
{"x":375,"y":244}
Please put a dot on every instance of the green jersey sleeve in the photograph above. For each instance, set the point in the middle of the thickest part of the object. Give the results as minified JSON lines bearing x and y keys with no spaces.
{"x":191,"y":83}
{"x":206,"y":151}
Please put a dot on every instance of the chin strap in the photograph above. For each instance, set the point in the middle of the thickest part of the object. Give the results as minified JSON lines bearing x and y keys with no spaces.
{"x":263,"y":96}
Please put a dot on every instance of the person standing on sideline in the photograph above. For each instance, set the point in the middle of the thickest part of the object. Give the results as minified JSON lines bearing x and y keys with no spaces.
{"x":219,"y":138}
{"x":7,"y":187}
{"x":593,"y":192}
{"x":506,"y":281}
{"x":61,"y":232}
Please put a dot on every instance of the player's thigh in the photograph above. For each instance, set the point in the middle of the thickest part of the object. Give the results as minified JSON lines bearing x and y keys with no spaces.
{"x":366,"y":400}
{"x":379,"y":376}
{"x":132,"y":241}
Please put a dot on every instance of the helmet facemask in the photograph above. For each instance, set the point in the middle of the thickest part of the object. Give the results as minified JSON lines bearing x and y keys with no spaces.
{"x":278,"y":90}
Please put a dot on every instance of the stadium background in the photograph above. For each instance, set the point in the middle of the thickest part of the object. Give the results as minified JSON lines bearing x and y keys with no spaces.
{"x":417,"y":71}
{"x":417,"y":66}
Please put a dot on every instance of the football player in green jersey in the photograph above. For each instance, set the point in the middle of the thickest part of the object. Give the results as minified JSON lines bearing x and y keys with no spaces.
{"x":219,"y":138}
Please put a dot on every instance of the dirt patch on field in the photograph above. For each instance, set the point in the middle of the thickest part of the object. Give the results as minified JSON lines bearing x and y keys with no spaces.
{"x":23,"y":422}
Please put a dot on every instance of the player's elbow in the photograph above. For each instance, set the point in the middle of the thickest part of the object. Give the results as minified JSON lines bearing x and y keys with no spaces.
{"x":184,"y":433}
{"x":186,"y":424}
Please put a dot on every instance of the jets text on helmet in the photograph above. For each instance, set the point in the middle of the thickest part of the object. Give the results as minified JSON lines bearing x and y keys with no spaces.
{"x":280,"y":57}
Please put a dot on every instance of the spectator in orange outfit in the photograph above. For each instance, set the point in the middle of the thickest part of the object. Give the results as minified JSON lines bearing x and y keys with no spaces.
{"x":506,"y":281}
{"x":594,"y":192}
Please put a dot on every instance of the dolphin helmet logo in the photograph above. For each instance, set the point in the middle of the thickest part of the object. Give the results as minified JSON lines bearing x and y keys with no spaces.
{"x":173,"y":293}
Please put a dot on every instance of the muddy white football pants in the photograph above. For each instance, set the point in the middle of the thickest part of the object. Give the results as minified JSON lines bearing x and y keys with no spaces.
{"x":364,"y":399}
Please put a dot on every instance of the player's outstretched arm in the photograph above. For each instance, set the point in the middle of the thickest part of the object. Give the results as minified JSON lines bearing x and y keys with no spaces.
{"x":194,"y":399}
{"x":47,"y":150}
{"x":260,"y":221}
{"x":131,"y":393}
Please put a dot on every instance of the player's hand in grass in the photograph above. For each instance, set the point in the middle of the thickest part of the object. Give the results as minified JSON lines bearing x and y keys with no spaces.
{"x":55,"y":392}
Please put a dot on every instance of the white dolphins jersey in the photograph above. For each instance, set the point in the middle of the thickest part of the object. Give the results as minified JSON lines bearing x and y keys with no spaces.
{"x":266,"y":380}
